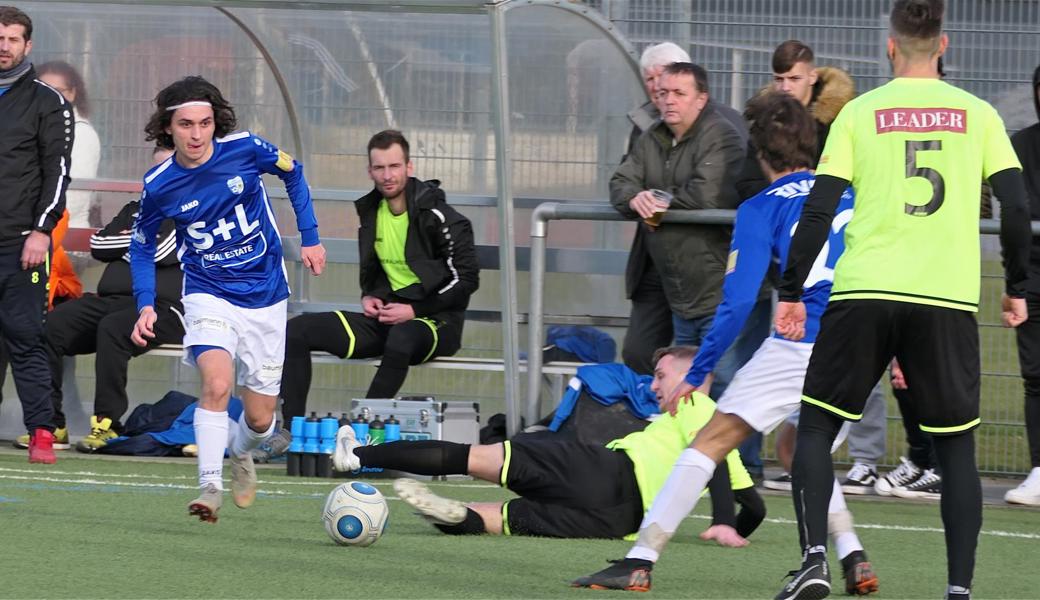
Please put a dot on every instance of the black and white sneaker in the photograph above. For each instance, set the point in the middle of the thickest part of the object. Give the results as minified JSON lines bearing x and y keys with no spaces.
{"x":927,"y":487}
{"x":860,"y":479}
{"x":782,"y":483}
{"x":811,"y":582}
{"x":906,"y":473}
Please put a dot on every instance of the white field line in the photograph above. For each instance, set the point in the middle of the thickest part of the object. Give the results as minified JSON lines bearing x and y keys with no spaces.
{"x":86,"y":478}
{"x":993,"y":532}
{"x":302,"y":481}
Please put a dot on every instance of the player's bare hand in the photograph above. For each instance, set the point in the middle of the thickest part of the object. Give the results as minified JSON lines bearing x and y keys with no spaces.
{"x":394,"y":313}
{"x":144,"y":328}
{"x":1013,"y":311}
{"x":370,"y":305}
{"x":725,"y":536}
{"x":898,"y":379}
{"x":679,"y":394}
{"x":644,"y":204}
{"x":790,"y":320}
{"x":313,"y":258}
{"x":34,"y":250}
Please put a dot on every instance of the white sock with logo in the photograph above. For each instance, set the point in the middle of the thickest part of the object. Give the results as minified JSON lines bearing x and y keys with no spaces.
{"x":677,"y":499}
{"x":244,"y":439}
{"x":211,"y":436}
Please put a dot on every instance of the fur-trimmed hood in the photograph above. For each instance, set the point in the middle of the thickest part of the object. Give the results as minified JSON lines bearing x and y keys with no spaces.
{"x":833,"y":89}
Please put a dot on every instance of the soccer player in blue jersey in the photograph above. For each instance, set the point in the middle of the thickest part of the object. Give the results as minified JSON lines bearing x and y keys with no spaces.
{"x":768,"y":388}
{"x":235,"y":286}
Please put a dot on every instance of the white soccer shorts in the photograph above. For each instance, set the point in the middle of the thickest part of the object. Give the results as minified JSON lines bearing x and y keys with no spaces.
{"x":255,"y":336}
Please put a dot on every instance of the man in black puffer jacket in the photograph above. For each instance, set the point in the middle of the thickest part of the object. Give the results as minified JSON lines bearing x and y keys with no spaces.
{"x":418,"y":269}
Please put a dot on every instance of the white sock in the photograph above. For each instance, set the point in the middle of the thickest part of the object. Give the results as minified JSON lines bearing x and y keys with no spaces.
{"x":839,"y":521}
{"x":690,"y":475}
{"x":837,"y":500}
{"x":245,"y":439}
{"x":211,"y":434}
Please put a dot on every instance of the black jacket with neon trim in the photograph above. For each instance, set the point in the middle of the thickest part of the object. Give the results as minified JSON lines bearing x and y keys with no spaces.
{"x":439,"y":250}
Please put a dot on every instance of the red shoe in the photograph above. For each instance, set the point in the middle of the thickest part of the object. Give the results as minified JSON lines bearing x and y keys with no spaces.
{"x":41,"y":447}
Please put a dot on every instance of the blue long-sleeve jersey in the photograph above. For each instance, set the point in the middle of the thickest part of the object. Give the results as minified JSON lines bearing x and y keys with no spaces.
{"x":228,"y":240}
{"x":762,"y":235}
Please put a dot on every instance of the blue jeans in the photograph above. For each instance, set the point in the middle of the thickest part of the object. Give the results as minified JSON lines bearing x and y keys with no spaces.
{"x":691,"y":332}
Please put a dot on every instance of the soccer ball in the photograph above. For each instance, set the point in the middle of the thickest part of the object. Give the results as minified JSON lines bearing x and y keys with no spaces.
{"x":355,"y":514}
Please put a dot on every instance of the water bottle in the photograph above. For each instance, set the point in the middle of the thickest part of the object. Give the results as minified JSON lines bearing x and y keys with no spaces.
{"x":292,"y":467}
{"x":360,"y":426}
{"x":327,"y":431}
{"x":393,"y":429}
{"x":311,"y":435}
{"x":377,"y":431}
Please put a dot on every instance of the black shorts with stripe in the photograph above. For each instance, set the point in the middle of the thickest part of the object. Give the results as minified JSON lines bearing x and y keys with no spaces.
{"x":937,"y":348}
{"x":569,"y":489}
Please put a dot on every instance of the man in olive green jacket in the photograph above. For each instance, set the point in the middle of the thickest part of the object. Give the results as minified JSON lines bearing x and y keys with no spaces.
{"x":694,"y":154}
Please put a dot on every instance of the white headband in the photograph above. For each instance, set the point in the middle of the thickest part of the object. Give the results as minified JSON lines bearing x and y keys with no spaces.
{"x":191,"y":103}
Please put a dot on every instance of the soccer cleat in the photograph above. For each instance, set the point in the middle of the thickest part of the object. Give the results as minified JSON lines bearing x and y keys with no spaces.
{"x":41,"y":447}
{"x":344,"y":459}
{"x":61,"y":439}
{"x":781,"y":483}
{"x":275,"y":446}
{"x":243,"y":480}
{"x":956,"y":592}
{"x":205,"y":507}
{"x":430,"y":506}
{"x":860,"y":578}
{"x":926,"y":487}
{"x":810,"y":582}
{"x":860,"y":479}
{"x":629,"y":574}
{"x":100,"y":433}
{"x":907,"y":472}
{"x":1028,"y":492}
{"x":190,"y":450}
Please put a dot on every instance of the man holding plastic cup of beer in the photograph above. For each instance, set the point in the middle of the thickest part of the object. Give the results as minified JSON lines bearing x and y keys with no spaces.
{"x":689,"y":160}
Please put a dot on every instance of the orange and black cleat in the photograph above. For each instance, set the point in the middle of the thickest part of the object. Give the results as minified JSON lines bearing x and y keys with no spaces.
{"x":629,"y":574}
{"x":860,"y":578}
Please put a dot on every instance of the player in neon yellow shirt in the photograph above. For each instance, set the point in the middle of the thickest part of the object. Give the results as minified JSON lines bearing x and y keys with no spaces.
{"x":569,"y":488}
{"x":908,"y":283}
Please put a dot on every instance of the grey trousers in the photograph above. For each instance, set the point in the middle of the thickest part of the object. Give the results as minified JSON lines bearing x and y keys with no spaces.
{"x":867,"y":437}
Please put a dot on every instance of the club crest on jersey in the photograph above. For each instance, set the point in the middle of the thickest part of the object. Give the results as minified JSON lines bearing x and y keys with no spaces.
{"x":236,"y":185}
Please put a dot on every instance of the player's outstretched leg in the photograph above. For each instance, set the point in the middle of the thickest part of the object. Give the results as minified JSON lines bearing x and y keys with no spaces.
{"x":433,"y":508}
{"x":629,"y":574}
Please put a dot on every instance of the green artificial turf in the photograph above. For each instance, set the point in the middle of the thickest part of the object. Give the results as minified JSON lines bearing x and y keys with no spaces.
{"x":103,"y":528}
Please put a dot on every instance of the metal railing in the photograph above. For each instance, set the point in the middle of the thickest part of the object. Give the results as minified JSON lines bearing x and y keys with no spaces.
{"x":556,"y":211}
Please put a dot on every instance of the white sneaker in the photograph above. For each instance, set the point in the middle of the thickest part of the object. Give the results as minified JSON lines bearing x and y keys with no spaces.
{"x":430,"y":506}
{"x":1028,"y":492}
{"x":344,"y":459}
{"x":907,"y":472}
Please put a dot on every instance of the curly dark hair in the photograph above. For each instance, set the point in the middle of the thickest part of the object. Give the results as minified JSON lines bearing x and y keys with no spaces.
{"x":72,"y":79}
{"x":782,"y":130}
{"x":186,"y":90}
